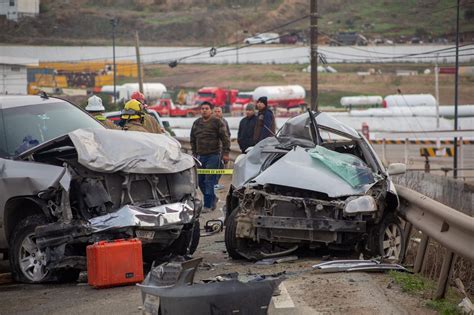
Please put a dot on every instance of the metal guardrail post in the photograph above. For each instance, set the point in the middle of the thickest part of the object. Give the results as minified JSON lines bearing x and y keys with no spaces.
{"x":406,"y":233}
{"x":421,"y":253}
{"x":444,"y":275}
{"x":427,"y":164}
{"x":461,"y":158}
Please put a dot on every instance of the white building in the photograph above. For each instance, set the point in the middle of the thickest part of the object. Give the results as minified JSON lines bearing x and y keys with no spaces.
{"x":13,"y":75}
{"x":16,"y":9}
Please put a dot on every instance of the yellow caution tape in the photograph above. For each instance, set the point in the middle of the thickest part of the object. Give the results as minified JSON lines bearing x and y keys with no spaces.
{"x":204,"y":171}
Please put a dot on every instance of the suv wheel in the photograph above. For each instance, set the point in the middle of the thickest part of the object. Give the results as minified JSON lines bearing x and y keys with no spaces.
{"x":27,"y":261}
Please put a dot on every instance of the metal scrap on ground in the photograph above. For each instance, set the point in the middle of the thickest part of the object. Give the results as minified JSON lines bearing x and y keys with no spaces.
{"x":356,"y":265}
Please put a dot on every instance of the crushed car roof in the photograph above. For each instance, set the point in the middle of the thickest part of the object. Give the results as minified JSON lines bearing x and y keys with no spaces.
{"x":323,"y":120}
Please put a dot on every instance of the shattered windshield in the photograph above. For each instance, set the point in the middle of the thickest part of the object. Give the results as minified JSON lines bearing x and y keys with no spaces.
{"x":347,"y":166}
{"x":28,"y":126}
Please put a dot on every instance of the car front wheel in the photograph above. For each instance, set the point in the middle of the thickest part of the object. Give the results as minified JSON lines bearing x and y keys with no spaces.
{"x":28,"y":262}
{"x":391,"y":239}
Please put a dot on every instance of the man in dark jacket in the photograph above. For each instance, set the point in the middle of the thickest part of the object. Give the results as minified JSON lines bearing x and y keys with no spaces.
{"x":208,"y":139}
{"x":265,"y":126}
{"x":247,"y":128}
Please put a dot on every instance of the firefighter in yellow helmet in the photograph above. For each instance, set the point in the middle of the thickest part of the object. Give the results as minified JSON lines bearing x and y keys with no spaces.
{"x":96,"y":109}
{"x":133,"y":116}
{"x":149,"y":122}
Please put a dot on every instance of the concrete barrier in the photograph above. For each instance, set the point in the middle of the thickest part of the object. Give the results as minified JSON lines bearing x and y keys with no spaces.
{"x":456,"y":194}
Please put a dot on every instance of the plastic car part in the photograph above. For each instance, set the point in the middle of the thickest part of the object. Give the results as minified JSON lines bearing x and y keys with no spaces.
{"x":223,"y":297}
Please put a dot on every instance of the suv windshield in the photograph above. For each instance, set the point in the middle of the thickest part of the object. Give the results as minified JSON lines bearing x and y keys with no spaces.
{"x":28,"y":126}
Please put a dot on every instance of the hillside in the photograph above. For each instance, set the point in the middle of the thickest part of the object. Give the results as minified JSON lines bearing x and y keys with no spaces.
{"x":216,"y":22}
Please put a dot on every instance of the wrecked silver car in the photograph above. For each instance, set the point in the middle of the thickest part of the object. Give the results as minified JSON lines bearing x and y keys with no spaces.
{"x":66,"y":182}
{"x":316,"y":183}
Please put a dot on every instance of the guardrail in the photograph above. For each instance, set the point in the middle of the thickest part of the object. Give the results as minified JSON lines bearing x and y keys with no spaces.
{"x":452,"y":229}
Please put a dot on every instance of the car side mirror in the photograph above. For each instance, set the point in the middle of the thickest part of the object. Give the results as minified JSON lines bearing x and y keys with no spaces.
{"x":396,"y":169}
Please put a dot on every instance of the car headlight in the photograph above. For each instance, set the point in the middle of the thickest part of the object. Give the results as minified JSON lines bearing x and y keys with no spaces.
{"x":362,"y":204}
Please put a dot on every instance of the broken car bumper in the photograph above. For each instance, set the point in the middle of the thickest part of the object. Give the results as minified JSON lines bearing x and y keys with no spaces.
{"x":156,"y":224}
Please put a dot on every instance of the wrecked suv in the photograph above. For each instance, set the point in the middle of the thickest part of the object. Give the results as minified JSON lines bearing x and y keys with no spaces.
{"x":66,"y":182}
{"x":316,"y":183}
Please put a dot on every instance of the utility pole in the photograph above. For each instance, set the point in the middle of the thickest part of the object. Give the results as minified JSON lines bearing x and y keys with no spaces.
{"x":237,"y":53}
{"x":114,"y":23}
{"x":437,"y":91}
{"x":456,"y":82}
{"x":314,"y":53}
{"x":139,"y":64}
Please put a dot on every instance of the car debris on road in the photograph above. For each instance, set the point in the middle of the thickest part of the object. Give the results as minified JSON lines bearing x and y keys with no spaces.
{"x":356,"y":265}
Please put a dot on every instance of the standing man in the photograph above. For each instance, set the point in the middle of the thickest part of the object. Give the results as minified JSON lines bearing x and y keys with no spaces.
{"x":149,"y":122}
{"x":266,"y":125}
{"x":245,"y":137}
{"x":133,"y":116}
{"x":218,"y":114}
{"x":97,"y":109}
{"x":208,"y":139}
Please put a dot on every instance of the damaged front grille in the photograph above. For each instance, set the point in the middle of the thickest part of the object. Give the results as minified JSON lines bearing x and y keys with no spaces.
{"x":279,"y":214}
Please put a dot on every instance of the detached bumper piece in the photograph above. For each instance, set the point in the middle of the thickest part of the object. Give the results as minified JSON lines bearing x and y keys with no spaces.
{"x":185,"y":297}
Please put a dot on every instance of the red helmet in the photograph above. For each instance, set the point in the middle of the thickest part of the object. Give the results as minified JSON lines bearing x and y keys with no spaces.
{"x":138,"y":96}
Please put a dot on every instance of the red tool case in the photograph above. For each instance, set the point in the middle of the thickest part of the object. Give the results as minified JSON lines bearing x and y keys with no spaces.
{"x":113,"y":263}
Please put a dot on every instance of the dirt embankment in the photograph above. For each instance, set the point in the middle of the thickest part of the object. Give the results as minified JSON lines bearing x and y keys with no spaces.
{"x":219,"y":22}
{"x":331,"y":85}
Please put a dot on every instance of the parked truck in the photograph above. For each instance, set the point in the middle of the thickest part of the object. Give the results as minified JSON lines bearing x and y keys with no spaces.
{"x":241,"y":101}
{"x":216,"y":96}
{"x":286,"y":96}
{"x":166,"y":108}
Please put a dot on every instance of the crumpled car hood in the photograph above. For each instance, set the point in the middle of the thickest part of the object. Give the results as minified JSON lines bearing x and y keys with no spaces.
{"x":299,"y":170}
{"x":112,"y":151}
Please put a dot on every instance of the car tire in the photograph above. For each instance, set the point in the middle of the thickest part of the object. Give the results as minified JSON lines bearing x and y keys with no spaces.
{"x":229,"y":236}
{"x":390,"y":238}
{"x":23,"y":249}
